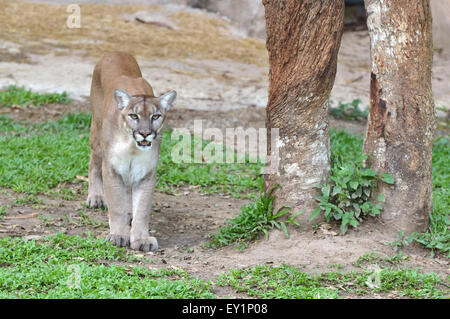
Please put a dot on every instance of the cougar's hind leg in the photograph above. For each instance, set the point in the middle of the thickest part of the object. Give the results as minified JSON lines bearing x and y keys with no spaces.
{"x":96,"y":197}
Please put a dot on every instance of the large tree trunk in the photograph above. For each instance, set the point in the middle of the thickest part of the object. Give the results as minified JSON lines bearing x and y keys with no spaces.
{"x":303,"y":39}
{"x":400,"y":130}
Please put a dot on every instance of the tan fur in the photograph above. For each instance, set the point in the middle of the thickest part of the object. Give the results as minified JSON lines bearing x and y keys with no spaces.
{"x":121,"y":174}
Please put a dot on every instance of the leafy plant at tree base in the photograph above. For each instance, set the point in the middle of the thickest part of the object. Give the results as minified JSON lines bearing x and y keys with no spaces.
{"x":346,"y":196}
{"x":255,"y":218}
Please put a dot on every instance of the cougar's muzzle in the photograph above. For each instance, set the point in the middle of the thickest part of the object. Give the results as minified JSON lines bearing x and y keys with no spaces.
{"x":144,"y":140}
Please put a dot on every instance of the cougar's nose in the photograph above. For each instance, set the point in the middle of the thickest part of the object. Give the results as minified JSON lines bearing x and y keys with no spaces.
{"x":145,"y":134}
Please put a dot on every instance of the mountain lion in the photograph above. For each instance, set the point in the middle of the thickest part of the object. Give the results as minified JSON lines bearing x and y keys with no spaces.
{"x":127,"y":120}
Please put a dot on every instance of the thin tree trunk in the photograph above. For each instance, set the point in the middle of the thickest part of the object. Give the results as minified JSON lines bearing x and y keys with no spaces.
{"x":401,"y":124}
{"x":303,"y":39}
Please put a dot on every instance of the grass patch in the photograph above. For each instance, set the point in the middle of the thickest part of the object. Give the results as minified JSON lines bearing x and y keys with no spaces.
{"x":373,"y":258}
{"x":74,"y":267}
{"x":36,"y":158}
{"x":438,"y":236}
{"x":282,"y":282}
{"x":21,"y":96}
{"x":264,"y":281}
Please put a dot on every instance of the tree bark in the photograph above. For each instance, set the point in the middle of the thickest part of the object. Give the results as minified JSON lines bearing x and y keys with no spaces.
{"x":399,"y":138}
{"x":303,"y":39}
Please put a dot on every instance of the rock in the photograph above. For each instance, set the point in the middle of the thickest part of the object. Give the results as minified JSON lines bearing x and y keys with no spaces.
{"x":32,"y":237}
{"x":159,"y":18}
{"x":247,"y":14}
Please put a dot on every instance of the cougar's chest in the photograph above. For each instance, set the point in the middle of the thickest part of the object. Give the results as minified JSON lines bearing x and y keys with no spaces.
{"x":131,"y":163}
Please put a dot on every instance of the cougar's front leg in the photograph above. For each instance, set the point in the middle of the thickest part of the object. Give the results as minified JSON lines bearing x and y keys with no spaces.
{"x":142,"y":194}
{"x":118,"y":200}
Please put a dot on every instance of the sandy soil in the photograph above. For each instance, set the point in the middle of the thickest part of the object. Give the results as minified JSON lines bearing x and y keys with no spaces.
{"x":225,"y":93}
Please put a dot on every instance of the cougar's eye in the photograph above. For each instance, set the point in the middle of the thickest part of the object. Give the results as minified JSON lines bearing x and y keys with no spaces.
{"x":133,"y":116}
{"x":155,"y":116}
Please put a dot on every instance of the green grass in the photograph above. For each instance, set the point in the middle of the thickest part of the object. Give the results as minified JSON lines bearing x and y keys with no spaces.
{"x":283,"y":282}
{"x":74,"y":267}
{"x":438,"y":237}
{"x":36,"y":158}
{"x":263,"y":281}
{"x":62,"y":266}
{"x":21,"y":96}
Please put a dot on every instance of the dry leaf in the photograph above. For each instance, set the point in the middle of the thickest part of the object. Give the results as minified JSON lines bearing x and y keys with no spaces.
{"x":82,"y":178}
{"x":32,"y":215}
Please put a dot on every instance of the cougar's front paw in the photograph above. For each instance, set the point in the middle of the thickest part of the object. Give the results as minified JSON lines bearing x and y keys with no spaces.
{"x":144,"y":244}
{"x":118,"y":240}
{"x":95,"y":201}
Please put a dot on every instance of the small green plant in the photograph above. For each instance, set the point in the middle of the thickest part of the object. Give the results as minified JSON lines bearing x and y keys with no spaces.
{"x":85,"y":220}
{"x":367,"y":258}
{"x":256,"y":218}
{"x":28,"y":199}
{"x":336,"y":266}
{"x":349,"y":111}
{"x":346,"y":196}
{"x":3,"y":211}
{"x":48,"y":222}
{"x":401,"y":241}
{"x":398,"y":258}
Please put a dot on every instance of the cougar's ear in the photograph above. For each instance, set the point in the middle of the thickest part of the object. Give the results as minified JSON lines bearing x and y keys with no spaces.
{"x":167,"y":100}
{"x":122,"y":98}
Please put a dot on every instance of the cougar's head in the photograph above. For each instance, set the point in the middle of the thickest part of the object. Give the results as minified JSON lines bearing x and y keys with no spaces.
{"x":143,"y":116}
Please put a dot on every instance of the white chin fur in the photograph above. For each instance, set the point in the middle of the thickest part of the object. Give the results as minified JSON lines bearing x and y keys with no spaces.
{"x":144,"y":148}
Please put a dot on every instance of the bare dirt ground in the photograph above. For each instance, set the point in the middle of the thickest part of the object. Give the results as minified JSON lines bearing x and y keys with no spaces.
{"x":225,"y":92}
